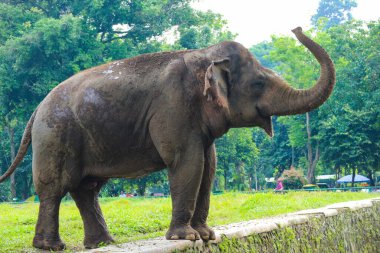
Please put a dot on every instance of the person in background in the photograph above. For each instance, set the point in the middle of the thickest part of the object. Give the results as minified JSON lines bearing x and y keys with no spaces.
{"x":279,"y":186}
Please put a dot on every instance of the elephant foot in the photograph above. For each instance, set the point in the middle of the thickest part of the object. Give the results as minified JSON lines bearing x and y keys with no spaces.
{"x":205,"y":232}
{"x":184,"y":232}
{"x":48,"y":242}
{"x":97,"y":241}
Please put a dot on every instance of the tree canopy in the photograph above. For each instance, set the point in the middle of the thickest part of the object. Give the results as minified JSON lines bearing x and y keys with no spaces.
{"x":334,"y":12}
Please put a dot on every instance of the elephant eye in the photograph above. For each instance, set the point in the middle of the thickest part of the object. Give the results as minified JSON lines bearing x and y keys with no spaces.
{"x":258,"y":84}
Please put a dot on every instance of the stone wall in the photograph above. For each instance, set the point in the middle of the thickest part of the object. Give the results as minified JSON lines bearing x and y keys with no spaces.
{"x":343,"y":227}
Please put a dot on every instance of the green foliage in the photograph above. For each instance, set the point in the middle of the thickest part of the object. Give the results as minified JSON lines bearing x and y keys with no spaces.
{"x":350,"y":129}
{"x":156,"y":182}
{"x":293,"y":179}
{"x":237,"y":154}
{"x":261,"y":53}
{"x":15,"y":22}
{"x":335,"y":11}
{"x":275,"y":153}
{"x":208,"y":30}
{"x":5,"y":194}
{"x":58,"y":47}
{"x":296,"y":129}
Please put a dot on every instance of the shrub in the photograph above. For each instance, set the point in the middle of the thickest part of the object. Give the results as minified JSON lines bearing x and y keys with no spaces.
{"x":293,"y":179}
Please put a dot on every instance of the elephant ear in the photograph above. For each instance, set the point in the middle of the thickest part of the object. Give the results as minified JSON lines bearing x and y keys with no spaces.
{"x":217,"y":78}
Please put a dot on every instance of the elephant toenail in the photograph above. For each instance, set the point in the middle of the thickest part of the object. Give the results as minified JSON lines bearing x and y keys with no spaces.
{"x":205,"y":238}
{"x":190,"y":237}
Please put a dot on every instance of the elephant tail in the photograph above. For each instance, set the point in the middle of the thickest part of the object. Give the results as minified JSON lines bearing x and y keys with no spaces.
{"x":25,"y":142}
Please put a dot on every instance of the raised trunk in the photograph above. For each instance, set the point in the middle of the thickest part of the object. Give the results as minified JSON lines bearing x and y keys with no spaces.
{"x":300,"y":101}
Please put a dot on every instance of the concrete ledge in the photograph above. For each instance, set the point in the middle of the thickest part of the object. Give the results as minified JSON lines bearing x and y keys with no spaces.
{"x":240,"y":230}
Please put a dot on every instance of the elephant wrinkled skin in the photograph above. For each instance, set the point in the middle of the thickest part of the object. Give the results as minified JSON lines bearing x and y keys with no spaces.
{"x":135,"y":116}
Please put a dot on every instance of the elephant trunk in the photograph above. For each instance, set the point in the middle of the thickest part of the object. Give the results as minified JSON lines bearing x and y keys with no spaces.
{"x":300,"y":101}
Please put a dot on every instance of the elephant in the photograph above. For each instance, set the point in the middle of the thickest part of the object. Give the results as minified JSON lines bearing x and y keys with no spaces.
{"x":131,"y":117}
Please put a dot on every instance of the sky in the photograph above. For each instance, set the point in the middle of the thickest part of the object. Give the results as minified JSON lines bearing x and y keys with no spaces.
{"x":255,"y":20}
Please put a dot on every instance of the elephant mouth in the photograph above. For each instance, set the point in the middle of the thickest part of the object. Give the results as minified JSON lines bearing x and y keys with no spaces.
{"x":265,"y":122}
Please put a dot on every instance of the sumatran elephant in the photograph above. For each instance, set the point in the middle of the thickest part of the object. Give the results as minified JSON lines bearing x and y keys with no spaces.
{"x":135,"y":116}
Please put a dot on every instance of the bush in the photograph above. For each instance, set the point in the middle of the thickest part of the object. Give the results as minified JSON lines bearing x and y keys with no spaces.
{"x":293,"y":179}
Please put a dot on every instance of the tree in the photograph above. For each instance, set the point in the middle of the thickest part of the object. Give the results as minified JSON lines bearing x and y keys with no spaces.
{"x":275,"y":153}
{"x":335,"y":12}
{"x":14,"y":22}
{"x":157,"y":181}
{"x":209,"y":29}
{"x":261,"y":52}
{"x":350,"y":133}
{"x":236,"y":156}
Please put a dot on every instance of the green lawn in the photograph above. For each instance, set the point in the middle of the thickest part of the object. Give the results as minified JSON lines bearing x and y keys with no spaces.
{"x":133,"y":219}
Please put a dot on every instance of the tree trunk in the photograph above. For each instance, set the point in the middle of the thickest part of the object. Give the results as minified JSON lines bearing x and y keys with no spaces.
{"x":141,"y":187}
{"x":225,"y":177}
{"x":25,"y":190}
{"x":11,"y":134}
{"x":312,"y":159}
{"x":353,"y":177}
{"x":1,"y":171}
{"x":370,"y":176}
{"x":337,"y":173}
{"x":292,"y":165}
{"x":239,"y":167}
{"x":30,"y":184}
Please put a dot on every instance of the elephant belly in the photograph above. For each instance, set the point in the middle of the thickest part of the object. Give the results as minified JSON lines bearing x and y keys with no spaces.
{"x":126,"y":163}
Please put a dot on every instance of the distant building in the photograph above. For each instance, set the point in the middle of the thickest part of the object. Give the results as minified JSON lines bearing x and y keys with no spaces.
{"x":327,"y":179}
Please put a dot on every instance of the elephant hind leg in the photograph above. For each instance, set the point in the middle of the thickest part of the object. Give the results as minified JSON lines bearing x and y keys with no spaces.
{"x":47,"y":235}
{"x":86,"y":199}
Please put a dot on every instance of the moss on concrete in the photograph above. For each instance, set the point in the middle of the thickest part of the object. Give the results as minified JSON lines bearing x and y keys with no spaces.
{"x":349,"y":231}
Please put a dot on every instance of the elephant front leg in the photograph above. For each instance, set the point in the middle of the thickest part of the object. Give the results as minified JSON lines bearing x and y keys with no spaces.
{"x":199,"y":220}
{"x":185,"y":179}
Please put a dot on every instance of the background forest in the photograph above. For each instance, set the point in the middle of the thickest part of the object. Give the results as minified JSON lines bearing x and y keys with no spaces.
{"x":43,"y":42}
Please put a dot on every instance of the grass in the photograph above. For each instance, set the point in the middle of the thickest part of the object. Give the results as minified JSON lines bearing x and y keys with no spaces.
{"x":134,"y":219}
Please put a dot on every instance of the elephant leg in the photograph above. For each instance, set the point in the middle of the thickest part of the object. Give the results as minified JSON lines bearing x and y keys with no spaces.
{"x":47,"y":235}
{"x":198,"y":222}
{"x":185,"y":178}
{"x":86,"y":199}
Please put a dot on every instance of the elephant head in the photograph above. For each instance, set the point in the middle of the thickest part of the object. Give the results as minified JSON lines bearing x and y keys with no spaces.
{"x":239,"y":92}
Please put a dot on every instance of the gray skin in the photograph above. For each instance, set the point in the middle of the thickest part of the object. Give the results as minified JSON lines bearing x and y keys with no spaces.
{"x":131,"y":117}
